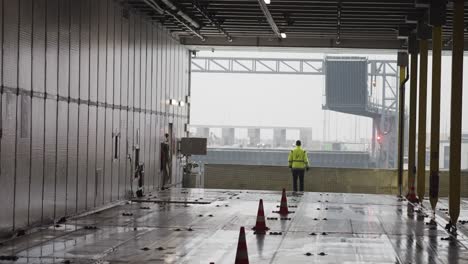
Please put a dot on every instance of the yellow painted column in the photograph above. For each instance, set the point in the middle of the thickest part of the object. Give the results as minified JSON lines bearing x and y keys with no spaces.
{"x":421,"y":177}
{"x":411,"y":196}
{"x":435,"y":116}
{"x":456,"y":111}
{"x":401,"y":127}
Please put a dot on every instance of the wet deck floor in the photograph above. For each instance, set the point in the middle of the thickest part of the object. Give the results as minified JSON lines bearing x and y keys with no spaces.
{"x":348,"y":228}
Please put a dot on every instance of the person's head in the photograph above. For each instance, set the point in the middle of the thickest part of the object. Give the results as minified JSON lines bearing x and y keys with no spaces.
{"x":298,"y":143}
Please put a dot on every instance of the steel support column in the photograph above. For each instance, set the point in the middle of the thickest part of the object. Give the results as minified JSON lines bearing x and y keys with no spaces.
{"x":435,"y":115}
{"x":402,"y":63}
{"x":421,"y":172}
{"x":456,"y":112}
{"x":412,"y":127}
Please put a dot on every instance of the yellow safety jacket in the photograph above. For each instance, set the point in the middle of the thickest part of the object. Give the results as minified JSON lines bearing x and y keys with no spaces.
{"x":298,"y":158}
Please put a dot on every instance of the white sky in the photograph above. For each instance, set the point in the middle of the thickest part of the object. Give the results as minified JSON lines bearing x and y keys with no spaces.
{"x":293,"y":100}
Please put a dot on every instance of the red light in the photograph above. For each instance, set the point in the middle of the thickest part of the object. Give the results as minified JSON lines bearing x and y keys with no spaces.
{"x":379,"y":139}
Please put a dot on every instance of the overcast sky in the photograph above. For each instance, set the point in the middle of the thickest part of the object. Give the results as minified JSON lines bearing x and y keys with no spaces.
{"x":292,"y":100}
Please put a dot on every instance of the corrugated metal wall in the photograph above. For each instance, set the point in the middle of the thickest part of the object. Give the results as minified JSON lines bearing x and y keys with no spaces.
{"x":83,"y":82}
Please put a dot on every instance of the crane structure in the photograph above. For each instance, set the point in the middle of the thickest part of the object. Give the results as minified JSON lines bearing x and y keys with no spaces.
{"x":381,"y":91}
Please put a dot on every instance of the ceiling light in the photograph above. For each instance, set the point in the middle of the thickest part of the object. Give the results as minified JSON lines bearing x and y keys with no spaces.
{"x":283,"y":35}
{"x":181,"y":103}
{"x":267,"y":2}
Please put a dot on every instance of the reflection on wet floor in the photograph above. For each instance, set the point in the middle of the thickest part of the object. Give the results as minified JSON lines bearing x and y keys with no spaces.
{"x":202,"y":226}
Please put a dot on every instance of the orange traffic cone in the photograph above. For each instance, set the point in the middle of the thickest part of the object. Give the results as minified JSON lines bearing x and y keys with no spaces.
{"x":260,"y":226}
{"x":284,"y":204}
{"x":242,"y":257}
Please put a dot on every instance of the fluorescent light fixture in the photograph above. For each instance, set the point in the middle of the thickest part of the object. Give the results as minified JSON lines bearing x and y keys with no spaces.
{"x":267,"y":1}
{"x":173,"y":102}
{"x":181,"y":103}
{"x":283,"y":35}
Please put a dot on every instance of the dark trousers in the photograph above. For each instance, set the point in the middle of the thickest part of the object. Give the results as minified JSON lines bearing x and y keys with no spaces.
{"x":298,"y":173}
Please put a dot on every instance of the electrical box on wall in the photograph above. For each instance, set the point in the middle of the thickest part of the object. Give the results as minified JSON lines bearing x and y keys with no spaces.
{"x":193,"y":146}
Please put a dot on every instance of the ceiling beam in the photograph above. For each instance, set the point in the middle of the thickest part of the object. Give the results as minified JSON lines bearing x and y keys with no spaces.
{"x":269,"y":18}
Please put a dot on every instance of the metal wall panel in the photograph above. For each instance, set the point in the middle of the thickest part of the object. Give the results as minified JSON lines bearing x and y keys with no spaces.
{"x":74,"y":51}
{"x":153,"y":153}
{"x":25,"y":45}
{"x":116,"y":84}
{"x":7,"y":181}
{"x":94,"y":52}
{"x":61,"y":158}
{"x":124,"y":79}
{"x":130,"y":151}
{"x":50,"y":153}
{"x":172,"y":65}
{"x":92,"y":141}
{"x":154,"y":68}
{"x":85,"y":63}
{"x":164,"y":66}
{"x":50,"y":123}
{"x":72,"y":162}
{"x":147,"y":138}
{"x":102,"y":51}
{"x":110,"y":52}
{"x":99,"y":180}
{"x":39,"y":47}
{"x":117,"y":71}
{"x":158,"y":150}
{"x":142,"y":141}
{"x":23,"y":160}
{"x":37,"y":160}
{"x":23,"y":121}
{"x":1,"y":55}
{"x":123,"y":152}
{"x":149,"y":67}
{"x":158,"y":69}
{"x":10,"y":64}
{"x":137,"y":66}
{"x":84,"y":48}
{"x":124,"y":62}
{"x":108,"y":180}
{"x":130,"y":95}
{"x":131,"y":61}
{"x":64,"y":48}
{"x":143,"y":63}
{"x":10,"y":43}
{"x":82,"y":158}
{"x":52,"y":47}
{"x":115,"y":155}
{"x":143,"y":84}
{"x":147,"y":98}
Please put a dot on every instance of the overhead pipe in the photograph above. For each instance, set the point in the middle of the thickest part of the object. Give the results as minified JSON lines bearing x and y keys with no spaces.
{"x":179,"y":16}
{"x":179,"y":12}
{"x":456,"y":113}
{"x":269,"y":18}
{"x":212,"y":21}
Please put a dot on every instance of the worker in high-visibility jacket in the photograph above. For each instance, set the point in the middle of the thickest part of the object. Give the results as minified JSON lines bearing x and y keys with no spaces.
{"x":298,"y":163}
